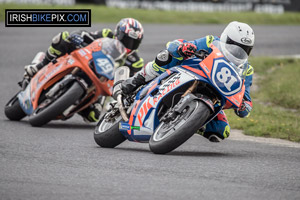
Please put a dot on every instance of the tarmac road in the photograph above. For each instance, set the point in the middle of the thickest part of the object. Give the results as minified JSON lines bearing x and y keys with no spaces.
{"x":62,"y":161}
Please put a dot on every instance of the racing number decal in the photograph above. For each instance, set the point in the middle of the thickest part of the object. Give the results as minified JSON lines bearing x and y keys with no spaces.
{"x":105,"y":65}
{"x":225,"y":77}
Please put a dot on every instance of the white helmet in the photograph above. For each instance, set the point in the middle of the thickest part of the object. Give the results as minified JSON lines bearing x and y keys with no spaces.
{"x":239,"y":34}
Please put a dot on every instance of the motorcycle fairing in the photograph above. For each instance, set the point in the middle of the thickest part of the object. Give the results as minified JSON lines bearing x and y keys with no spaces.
{"x":143,"y":119}
{"x":24,"y":98}
{"x":222,"y":76}
{"x":29,"y":97}
{"x":45,"y":78}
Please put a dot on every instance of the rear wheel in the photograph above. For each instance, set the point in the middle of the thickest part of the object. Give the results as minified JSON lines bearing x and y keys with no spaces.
{"x":47,"y":111}
{"x":171,"y":134}
{"x":107,"y":133}
{"x":13,"y":110}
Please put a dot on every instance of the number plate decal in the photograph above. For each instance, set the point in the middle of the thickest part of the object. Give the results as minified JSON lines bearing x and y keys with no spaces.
{"x":104,"y":64}
{"x":225,"y":78}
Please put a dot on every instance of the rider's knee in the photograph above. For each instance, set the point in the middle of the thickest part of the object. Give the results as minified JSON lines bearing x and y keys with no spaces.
{"x":60,"y":44}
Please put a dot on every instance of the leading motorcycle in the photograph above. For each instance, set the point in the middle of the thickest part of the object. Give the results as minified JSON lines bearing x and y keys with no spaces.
{"x":171,"y":108}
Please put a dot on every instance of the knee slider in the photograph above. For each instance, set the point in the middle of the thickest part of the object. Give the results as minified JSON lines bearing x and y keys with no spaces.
{"x":226,"y":132}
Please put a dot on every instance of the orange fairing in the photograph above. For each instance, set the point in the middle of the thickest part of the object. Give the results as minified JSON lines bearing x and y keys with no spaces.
{"x":52,"y":73}
{"x":207,"y":63}
{"x":132,"y":115}
{"x":237,"y":98}
{"x":195,"y":70}
{"x":206,"y":72}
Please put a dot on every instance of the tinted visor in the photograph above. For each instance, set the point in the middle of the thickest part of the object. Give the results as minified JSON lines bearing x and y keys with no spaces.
{"x":246,"y":48}
{"x":129,"y":42}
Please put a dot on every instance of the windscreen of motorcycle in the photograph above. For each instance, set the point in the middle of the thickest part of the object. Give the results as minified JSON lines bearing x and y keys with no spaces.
{"x":115,"y":50}
{"x":236,"y":56}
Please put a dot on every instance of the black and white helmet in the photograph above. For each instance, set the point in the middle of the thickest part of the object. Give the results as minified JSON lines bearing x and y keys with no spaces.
{"x":240,"y":34}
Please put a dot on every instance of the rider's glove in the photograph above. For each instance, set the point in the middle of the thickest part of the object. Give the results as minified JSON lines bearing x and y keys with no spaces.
{"x":244,"y":110}
{"x":31,"y":70}
{"x":187,"y":50}
{"x":75,"y":39}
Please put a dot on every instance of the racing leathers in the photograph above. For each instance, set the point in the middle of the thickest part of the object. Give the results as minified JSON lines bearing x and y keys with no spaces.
{"x":173,"y":55}
{"x":65,"y":42}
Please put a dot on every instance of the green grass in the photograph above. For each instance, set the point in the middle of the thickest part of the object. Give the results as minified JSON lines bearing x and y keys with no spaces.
{"x":280,"y":83}
{"x":276,"y":107}
{"x":268,"y":121}
{"x":105,"y":14}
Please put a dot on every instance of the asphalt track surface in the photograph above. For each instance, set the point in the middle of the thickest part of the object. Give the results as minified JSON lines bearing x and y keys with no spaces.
{"x":62,"y":161}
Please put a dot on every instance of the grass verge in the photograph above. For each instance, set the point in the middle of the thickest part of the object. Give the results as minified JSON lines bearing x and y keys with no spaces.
{"x":105,"y":14}
{"x":276,"y":108}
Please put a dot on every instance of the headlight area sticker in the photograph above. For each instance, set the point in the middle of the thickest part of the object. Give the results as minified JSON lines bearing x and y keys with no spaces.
{"x":47,"y":18}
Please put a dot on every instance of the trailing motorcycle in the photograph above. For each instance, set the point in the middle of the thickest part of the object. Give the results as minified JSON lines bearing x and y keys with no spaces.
{"x":68,"y":84}
{"x":171,"y":108}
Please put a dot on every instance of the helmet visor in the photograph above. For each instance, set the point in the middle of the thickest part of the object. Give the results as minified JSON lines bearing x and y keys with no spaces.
{"x":232,"y":53}
{"x":246,"y":48}
{"x":128,"y":42}
{"x":236,"y":56}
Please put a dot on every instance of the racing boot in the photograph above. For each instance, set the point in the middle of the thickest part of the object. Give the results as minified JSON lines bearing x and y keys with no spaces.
{"x":91,"y":113}
{"x":140,"y":78}
{"x":30,"y":70}
{"x":132,"y":83}
{"x":35,"y":66}
{"x":210,"y":136}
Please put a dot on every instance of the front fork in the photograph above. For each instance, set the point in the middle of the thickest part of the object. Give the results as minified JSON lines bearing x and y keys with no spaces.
{"x":191,"y":89}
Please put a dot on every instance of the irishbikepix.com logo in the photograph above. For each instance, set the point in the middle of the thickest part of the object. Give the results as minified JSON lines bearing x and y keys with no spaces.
{"x":47,"y":17}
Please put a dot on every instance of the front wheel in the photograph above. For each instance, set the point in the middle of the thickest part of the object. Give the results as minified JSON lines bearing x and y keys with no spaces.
{"x":107,"y":133}
{"x":43,"y":114}
{"x":170,"y":135}
{"x":13,"y":110}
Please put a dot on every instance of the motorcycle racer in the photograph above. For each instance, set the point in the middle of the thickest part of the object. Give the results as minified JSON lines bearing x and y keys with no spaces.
{"x":236,"y":33}
{"x":128,"y":31}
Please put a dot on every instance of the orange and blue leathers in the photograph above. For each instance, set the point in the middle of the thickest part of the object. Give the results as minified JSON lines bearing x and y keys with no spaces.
{"x":219,"y":125}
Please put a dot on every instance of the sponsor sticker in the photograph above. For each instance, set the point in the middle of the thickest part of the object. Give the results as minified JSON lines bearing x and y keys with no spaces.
{"x":246,"y":40}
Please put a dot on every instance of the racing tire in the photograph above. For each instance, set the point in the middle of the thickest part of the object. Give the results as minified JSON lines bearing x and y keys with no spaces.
{"x":108,"y":135}
{"x":39,"y":118}
{"x":13,"y":110}
{"x":169,"y":136}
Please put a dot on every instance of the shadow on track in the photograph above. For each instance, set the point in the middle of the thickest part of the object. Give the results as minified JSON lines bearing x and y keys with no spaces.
{"x":173,"y":153}
{"x":69,"y":126}
{"x":56,"y":125}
